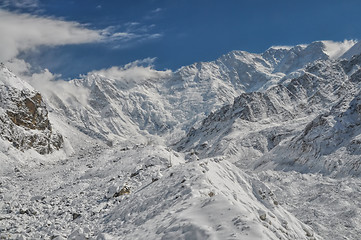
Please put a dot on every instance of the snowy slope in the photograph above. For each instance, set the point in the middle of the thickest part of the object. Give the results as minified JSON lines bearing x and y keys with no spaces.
{"x":110,"y":111}
{"x":329,"y":143}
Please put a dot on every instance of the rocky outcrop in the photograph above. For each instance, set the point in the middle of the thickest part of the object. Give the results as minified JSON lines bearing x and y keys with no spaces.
{"x":30,"y":113}
{"x":24,"y":118}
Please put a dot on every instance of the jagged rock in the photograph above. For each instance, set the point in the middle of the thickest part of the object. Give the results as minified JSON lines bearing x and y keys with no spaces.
{"x":123,"y":191}
{"x":30,"y":212}
{"x":76,"y":216}
{"x":262,"y":215}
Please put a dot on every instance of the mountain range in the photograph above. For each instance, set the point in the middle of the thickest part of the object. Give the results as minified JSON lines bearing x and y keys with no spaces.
{"x":249,"y":146}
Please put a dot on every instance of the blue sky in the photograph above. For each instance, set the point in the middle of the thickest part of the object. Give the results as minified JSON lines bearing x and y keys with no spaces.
{"x":179,"y":32}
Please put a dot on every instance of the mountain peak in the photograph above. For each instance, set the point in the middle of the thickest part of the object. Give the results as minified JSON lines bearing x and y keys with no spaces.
{"x":10,"y":79}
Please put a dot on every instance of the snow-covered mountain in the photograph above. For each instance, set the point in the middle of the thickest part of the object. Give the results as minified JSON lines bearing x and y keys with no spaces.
{"x":215,"y":150}
{"x":113,"y":108}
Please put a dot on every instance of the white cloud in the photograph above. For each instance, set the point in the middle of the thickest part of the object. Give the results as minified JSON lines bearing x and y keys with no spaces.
{"x":124,"y":36}
{"x":47,"y":83}
{"x":335,"y":49}
{"x":282,"y":47}
{"x":155,"y":35}
{"x":21,"y":32}
{"x":137,"y":71}
{"x":18,"y":66}
{"x":132,"y":39}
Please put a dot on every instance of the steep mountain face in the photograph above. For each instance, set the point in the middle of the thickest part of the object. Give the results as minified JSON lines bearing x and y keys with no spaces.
{"x":322,"y":142}
{"x":111,"y":110}
{"x":258,"y":121}
{"x":24,"y":117}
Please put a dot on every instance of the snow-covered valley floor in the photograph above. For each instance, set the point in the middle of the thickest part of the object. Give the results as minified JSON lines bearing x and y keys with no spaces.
{"x":152,"y":192}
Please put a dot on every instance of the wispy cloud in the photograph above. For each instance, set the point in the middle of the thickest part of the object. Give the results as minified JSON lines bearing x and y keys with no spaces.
{"x":130,"y":34}
{"x":157,"y":10}
{"x":134,"y":40}
{"x":47,"y":82}
{"x":23,"y":4}
{"x":154,"y":13}
{"x":21,"y":32}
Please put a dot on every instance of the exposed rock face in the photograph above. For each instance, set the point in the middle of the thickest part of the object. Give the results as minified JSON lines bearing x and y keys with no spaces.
{"x":30,"y":113}
{"x":24,"y":118}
